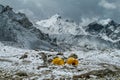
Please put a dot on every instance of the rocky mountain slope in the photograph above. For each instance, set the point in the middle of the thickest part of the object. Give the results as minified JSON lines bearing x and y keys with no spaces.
{"x":17,"y":30}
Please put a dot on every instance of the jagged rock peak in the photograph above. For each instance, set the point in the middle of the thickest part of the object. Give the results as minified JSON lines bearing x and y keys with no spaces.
{"x":5,"y":8}
{"x":18,"y":17}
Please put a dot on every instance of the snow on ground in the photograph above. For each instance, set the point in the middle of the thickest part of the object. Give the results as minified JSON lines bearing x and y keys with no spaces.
{"x":11,"y":60}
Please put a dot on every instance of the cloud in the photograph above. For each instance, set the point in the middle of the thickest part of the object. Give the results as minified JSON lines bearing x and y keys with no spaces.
{"x":107,"y":5}
{"x":72,"y":9}
{"x":37,"y":2}
{"x":27,"y":12}
{"x":86,"y":21}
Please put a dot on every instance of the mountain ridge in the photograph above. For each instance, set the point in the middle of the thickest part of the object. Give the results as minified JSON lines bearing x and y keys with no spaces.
{"x":16,"y":28}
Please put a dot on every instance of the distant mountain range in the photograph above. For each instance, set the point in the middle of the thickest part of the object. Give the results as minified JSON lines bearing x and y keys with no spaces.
{"x":56,"y":32}
{"x":97,"y":34}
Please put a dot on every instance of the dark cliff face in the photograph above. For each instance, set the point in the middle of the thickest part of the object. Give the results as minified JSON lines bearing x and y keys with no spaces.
{"x":16,"y":27}
{"x":6,"y":31}
{"x":111,"y":30}
{"x":94,"y":28}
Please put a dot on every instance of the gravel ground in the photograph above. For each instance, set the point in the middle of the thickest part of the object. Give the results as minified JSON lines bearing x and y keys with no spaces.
{"x":100,"y":75}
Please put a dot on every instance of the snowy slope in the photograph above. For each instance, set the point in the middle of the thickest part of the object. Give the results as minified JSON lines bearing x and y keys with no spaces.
{"x":89,"y":60}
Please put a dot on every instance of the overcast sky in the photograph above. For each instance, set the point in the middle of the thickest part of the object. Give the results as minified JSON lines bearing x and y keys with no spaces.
{"x":73,"y":9}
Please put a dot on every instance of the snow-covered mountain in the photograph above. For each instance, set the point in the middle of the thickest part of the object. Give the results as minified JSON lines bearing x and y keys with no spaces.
{"x":62,"y":30}
{"x":100,"y":33}
{"x":17,"y":30}
{"x":57,"y":25}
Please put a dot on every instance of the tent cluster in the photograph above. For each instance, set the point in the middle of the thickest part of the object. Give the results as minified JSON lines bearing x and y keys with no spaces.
{"x":72,"y":60}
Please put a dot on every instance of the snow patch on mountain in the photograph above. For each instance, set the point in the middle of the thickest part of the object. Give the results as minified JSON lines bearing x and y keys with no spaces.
{"x":105,"y":21}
